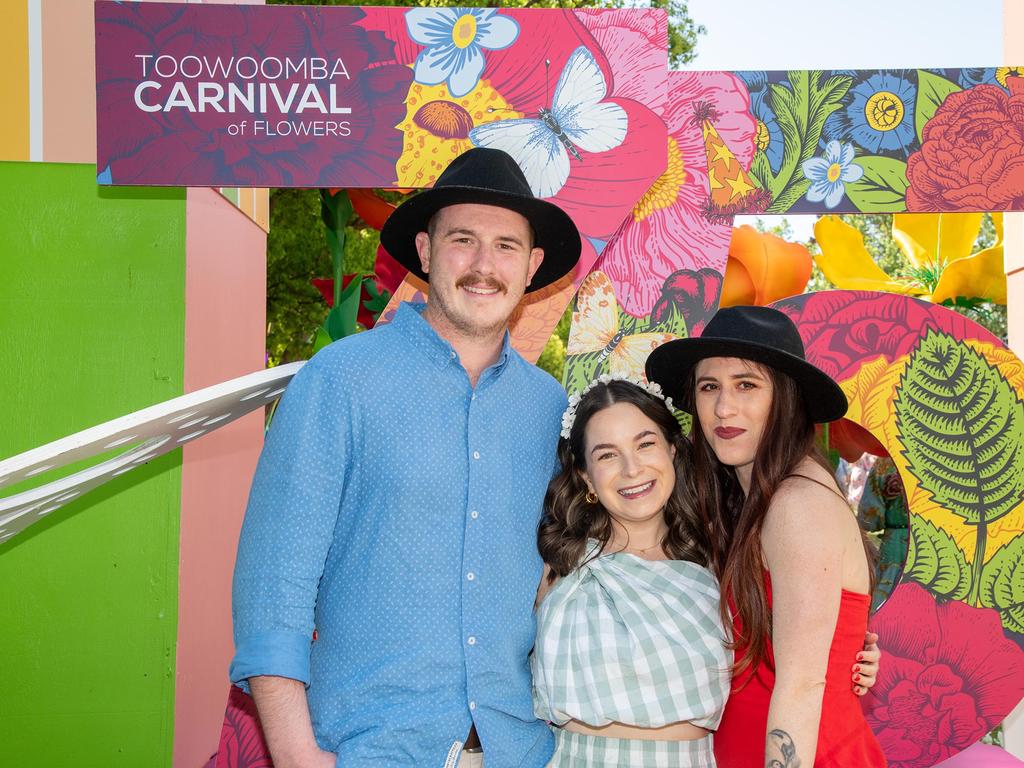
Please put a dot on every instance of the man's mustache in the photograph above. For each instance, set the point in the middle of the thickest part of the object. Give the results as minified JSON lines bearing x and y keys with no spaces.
{"x":481,"y":281}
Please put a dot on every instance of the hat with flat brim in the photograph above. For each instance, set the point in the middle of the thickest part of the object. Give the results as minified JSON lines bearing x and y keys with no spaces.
{"x":486,"y":176}
{"x":761,"y":334}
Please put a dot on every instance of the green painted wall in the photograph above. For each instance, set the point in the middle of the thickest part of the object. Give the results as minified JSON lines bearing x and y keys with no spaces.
{"x":92,"y":314}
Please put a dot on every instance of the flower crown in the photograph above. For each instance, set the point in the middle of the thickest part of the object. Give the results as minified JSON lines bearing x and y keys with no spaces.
{"x":569,"y":417}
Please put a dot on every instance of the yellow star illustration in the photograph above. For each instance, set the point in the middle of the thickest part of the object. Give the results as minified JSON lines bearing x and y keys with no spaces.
{"x":724,"y":154}
{"x":713,"y":180}
{"x":740,"y":186}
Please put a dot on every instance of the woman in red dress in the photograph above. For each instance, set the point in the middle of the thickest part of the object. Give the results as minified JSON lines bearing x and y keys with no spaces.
{"x":792,"y":559}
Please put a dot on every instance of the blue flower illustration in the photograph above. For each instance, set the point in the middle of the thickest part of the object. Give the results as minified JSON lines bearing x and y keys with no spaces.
{"x":454,"y":40}
{"x":880,"y":115}
{"x":828,"y":175}
{"x":768,"y":138}
{"x":972,"y":76}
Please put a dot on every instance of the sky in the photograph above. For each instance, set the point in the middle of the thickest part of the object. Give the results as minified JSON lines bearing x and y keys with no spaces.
{"x":855,"y":34}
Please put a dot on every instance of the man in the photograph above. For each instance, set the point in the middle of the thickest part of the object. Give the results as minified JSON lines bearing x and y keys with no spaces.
{"x":396,"y":501}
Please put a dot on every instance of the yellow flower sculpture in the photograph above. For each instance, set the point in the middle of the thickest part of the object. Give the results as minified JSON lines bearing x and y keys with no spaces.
{"x":936,"y":245}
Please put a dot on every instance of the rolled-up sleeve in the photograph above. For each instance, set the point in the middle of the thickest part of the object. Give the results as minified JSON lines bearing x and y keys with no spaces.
{"x":288,"y":529}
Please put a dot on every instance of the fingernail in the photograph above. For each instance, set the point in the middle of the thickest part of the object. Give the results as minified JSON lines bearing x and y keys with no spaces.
{"x":856,"y":678}
{"x":860,"y":657}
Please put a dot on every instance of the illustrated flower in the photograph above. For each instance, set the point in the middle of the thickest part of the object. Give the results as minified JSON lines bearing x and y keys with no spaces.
{"x":518,"y":81}
{"x":938,"y":249}
{"x":768,"y":138}
{"x":692,"y":293}
{"x":843,"y":329}
{"x":971,"y":76}
{"x":949,"y":676}
{"x":1002,"y":74}
{"x":763,"y":268}
{"x":828,"y":175}
{"x":972,"y":152}
{"x":879,"y":116}
{"x":455,"y":40}
{"x":669,"y":224}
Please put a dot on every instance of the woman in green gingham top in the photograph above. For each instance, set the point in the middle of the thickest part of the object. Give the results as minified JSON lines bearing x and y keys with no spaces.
{"x":630,"y":665}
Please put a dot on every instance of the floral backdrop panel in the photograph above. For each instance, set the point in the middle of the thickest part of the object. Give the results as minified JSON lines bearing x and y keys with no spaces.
{"x":601,"y":174}
{"x":381,"y":97}
{"x":883,"y":141}
{"x":944,"y":397}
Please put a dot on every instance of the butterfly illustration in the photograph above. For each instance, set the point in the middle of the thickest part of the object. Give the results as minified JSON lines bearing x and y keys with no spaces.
{"x":577,"y":119}
{"x":595,"y":328}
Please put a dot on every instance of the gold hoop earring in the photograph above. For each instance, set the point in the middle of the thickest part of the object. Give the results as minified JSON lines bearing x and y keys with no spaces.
{"x":591,"y":497}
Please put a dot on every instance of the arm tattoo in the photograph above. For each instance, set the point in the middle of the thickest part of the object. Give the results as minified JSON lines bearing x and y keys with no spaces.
{"x":781,"y":752}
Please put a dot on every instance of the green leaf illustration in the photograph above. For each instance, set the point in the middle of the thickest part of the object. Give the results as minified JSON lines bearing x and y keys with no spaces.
{"x":580,"y":370}
{"x":1002,"y":584}
{"x":961,"y":424}
{"x":932,"y":90}
{"x":801,"y":109}
{"x":935,"y":561}
{"x":882,"y":188}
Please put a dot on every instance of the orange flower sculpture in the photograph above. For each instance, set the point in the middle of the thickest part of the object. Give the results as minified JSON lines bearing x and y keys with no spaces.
{"x":763,"y":268}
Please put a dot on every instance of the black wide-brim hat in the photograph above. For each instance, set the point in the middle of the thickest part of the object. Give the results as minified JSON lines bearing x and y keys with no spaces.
{"x":486,"y":177}
{"x":761,"y":334}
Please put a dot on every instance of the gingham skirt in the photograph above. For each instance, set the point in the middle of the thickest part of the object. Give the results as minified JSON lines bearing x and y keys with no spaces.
{"x":577,"y":750}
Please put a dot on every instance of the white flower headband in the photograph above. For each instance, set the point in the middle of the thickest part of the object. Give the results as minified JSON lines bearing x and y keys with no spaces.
{"x":569,"y":417}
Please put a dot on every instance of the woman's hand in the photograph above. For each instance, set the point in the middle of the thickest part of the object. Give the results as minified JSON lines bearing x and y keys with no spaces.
{"x":865,"y":671}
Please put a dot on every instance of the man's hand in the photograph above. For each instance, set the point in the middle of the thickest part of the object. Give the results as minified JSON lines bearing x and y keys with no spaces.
{"x":865,"y":671}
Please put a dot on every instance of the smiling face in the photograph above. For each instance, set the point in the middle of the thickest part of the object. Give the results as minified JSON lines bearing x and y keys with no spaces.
{"x":479,"y":259}
{"x":733,"y":399}
{"x":628,"y":464}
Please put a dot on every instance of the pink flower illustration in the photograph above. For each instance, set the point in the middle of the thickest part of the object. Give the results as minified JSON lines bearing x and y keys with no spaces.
{"x":602,"y":186}
{"x":949,"y":675}
{"x":668,"y":230}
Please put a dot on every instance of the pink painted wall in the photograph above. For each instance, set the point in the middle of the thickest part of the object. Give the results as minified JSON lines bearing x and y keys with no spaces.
{"x":225,"y":319}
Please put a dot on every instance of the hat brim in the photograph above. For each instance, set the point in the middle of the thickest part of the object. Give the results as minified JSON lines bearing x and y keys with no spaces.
{"x":553,"y":230}
{"x":672,"y":364}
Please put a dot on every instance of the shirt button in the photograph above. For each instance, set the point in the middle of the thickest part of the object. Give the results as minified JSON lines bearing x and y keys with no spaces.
{"x":470,"y":576}
{"x":472,"y":705}
{"x":474,"y":514}
{"x":473,"y":396}
{"x":476,"y":454}
{"x":471,"y":640}
{"x":453,"y":354}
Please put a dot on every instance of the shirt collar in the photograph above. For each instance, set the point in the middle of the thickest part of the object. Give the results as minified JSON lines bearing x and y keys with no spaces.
{"x":409,"y":318}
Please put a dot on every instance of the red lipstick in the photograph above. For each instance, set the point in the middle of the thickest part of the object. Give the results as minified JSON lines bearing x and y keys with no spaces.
{"x":728,"y":433}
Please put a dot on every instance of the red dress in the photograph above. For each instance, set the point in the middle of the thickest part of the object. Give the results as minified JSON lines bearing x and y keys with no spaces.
{"x":844,"y":739}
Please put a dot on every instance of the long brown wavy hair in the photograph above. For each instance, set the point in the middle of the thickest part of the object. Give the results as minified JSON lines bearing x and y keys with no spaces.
{"x":736,"y":559}
{"x":569,"y":519}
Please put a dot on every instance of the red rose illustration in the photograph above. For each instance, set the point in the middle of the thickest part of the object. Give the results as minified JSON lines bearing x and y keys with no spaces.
{"x":949,"y":676}
{"x":695,"y":293}
{"x":842,"y":330}
{"x":972,"y":153}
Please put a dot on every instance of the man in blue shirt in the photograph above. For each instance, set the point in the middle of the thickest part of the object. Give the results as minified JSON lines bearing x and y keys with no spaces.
{"x":396,"y":501}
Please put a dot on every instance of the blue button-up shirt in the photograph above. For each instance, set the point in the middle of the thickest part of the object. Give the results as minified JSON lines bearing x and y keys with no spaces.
{"x":395,"y":509}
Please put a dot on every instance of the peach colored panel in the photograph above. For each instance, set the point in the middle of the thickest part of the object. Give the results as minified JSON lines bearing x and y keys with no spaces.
{"x":1013,"y":33}
{"x":225,"y":318}
{"x":14,"y":82}
{"x":69,"y":81}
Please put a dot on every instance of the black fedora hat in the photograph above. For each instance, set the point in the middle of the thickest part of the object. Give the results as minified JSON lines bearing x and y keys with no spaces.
{"x":761,"y":334}
{"x":487,"y":177}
